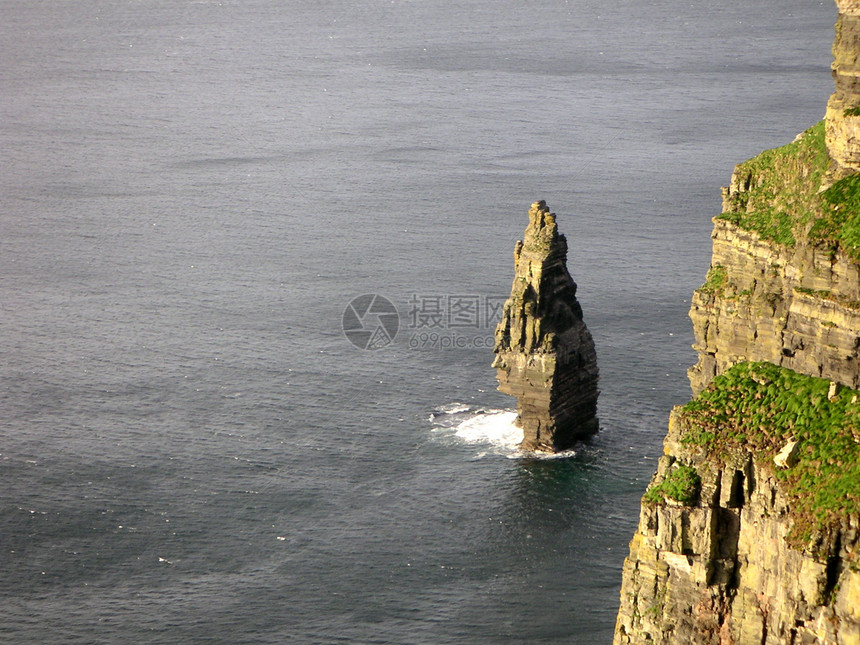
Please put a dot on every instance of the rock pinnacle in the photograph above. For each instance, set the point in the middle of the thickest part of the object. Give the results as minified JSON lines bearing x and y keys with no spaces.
{"x":544,"y":352}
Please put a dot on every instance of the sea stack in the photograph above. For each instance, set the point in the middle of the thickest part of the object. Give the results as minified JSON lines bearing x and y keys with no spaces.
{"x":544,"y":352}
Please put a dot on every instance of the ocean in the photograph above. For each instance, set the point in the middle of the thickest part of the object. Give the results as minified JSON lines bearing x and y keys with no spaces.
{"x":195,"y":193}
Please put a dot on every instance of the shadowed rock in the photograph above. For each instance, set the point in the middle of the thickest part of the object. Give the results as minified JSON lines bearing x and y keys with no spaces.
{"x":544,"y":352}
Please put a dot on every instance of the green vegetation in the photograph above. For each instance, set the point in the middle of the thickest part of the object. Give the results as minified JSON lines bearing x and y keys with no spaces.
{"x":839,"y":221}
{"x":655,"y":611}
{"x":682,"y":485}
{"x":716,"y":280}
{"x":832,"y":297}
{"x":855,"y":111}
{"x":759,"y":407}
{"x":778,"y":196}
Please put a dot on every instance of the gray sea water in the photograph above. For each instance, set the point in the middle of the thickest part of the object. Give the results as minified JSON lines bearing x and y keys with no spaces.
{"x":191,"y":449}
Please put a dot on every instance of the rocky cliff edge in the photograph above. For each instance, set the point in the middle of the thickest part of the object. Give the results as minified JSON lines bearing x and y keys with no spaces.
{"x":748,"y":533}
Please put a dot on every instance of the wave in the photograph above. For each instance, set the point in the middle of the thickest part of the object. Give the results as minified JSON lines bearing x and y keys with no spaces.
{"x":492,"y":431}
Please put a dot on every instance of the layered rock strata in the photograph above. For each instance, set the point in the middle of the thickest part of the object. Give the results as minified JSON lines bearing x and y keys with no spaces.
{"x":749,"y":533}
{"x":544,"y":352}
{"x":721,"y":571}
{"x":779,"y":290}
{"x":843,"y":109}
{"x":798,"y":307}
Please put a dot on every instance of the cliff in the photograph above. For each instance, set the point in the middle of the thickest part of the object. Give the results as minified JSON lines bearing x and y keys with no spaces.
{"x":544,"y":352}
{"x":784,"y":283}
{"x":750,"y":530}
{"x":733,"y":548}
{"x":843,"y":108}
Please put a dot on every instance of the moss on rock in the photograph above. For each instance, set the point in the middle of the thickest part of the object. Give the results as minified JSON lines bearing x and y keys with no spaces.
{"x":776,"y":193}
{"x":682,"y":484}
{"x":783,"y":195}
{"x":716,"y":280}
{"x":759,"y":407}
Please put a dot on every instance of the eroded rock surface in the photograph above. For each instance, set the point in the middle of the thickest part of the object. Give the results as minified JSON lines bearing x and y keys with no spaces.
{"x":720,"y":571}
{"x":544,"y":352}
{"x":843,"y":109}
{"x":767,"y":550}
{"x":795,"y":307}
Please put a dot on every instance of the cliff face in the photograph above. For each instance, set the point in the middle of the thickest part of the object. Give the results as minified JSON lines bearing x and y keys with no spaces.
{"x":843,"y":115}
{"x":750,"y":530}
{"x":544,"y":352}
{"x":783,"y":287}
{"x":796,"y":306}
{"x":721,"y":569}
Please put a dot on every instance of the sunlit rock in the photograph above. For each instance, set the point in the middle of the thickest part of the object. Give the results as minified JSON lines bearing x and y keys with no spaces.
{"x":544,"y":352}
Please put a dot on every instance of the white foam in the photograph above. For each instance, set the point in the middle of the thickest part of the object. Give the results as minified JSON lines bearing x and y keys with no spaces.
{"x":564,"y":454}
{"x":492,"y":431}
{"x":454,"y":408}
{"x":493,"y":427}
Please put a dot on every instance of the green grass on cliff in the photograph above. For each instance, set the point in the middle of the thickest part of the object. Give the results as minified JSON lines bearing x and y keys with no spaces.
{"x":839,"y":221}
{"x":759,"y":407}
{"x":778,"y":194}
{"x":779,"y":197}
{"x":832,"y":297}
{"x":716,"y":280}
{"x":682,"y":485}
